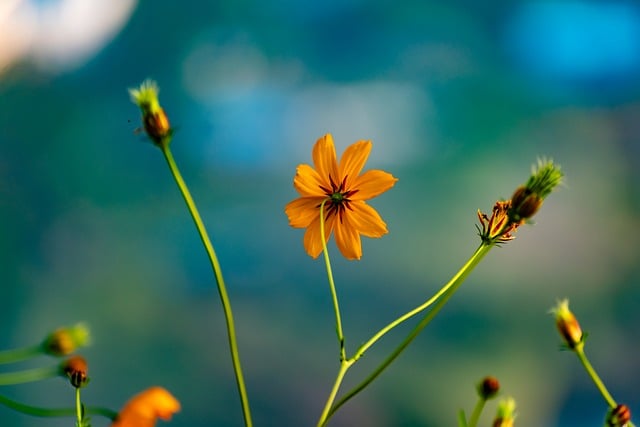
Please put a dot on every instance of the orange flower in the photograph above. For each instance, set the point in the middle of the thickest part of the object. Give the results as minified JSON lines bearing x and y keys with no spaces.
{"x":143,"y":409}
{"x":345,"y":191}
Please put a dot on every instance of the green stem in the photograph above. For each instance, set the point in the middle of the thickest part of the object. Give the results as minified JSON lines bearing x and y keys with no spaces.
{"x":475,"y":415}
{"x":51,"y":412}
{"x":459,"y":276}
{"x":462,"y":421}
{"x":222,"y":291}
{"x":594,"y":376}
{"x":344,"y":366}
{"x":344,"y":363}
{"x":18,"y":354}
{"x":451,"y":288}
{"x":30,"y":375}
{"x":78,"y":407}
{"x":332,"y":286}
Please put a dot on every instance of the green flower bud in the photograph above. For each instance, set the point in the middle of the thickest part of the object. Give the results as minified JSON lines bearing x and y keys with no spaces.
{"x":528,"y":198}
{"x":66,"y":340}
{"x":506,"y":413}
{"x":154,"y":119}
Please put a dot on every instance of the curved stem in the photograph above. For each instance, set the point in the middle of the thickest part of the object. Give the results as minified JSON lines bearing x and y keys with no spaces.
{"x":459,"y":276}
{"x":594,"y":376}
{"x":451,"y":288}
{"x":222,"y":291}
{"x":54,"y":412}
{"x":18,"y":354}
{"x":475,"y":415}
{"x":30,"y":375}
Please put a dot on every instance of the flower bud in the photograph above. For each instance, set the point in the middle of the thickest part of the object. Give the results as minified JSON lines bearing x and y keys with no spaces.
{"x":66,"y":340}
{"x":568,"y":325}
{"x":75,"y":368}
{"x":620,"y":416}
{"x":528,"y":198}
{"x":506,"y":413}
{"x":488,"y":388}
{"x":154,"y":119}
{"x":524,"y":203}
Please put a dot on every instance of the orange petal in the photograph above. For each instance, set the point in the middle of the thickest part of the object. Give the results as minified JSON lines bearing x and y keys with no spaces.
{"x":371,"y":184}
{"x":347,"y":239}
{"x":308,"y":182}
{"x":324,"y":158}
{"x":312,"y":242}
{"x":302,"y":211}
{"x":145,"y":408}
{"x":353,"y":160}
{"x":366,"y":220}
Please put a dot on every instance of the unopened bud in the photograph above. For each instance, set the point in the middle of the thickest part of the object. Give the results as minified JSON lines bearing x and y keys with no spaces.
{"x":528,"y":198}
{"x":66,"y":340}
{"x":524,"y":203}
{"x":75,"y":368}
{"x":568,"y":325}
{"x":154,"y":119}
{"x":488,"y":388}
{"x":620,"y":416}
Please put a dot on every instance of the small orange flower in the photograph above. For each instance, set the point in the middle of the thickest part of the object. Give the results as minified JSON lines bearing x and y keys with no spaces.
{"x":143,"y":409}
{"x":345,"y":191}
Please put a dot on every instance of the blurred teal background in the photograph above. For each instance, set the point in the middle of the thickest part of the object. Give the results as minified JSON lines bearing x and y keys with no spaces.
{"x":459,"y":99}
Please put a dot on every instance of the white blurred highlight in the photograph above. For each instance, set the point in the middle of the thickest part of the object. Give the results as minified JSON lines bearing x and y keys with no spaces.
{"x":58,"y":35}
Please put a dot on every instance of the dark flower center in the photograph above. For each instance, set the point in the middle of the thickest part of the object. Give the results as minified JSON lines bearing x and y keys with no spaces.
{"x":338,"y":198}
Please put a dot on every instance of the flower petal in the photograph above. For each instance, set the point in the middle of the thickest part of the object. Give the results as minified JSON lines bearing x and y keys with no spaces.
{"x":347,"y":238}
{"x":324,"y":158}
{"x":145,"y":408}
{"x":353,"y":160}
{"x":371,"y":184}
{"x":366,"y":220}
{"x":302,"y":211}
{"x":312,"y":240}
{"x":308,"y":182}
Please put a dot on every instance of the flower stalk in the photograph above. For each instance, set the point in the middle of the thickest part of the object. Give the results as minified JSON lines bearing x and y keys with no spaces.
{"x":37,"y":411}
{"x":159,"y":131}
{"x":222,"y":290}
{"x":20,"y":354}
{"x":495,"y":230}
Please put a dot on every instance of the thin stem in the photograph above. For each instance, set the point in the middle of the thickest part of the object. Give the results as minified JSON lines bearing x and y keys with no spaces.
{"x":30,"y":375}
{"x":332,"y":286}
{"x":222,"y":291}
{"x":452,"y":286}
{"x":594,"y":376}
{"x":344,"y":363}
{"x":18,"y":354}
{"x":344,"y":366}
{"x":54,"y":412}
{"x":475,"y":258}
{"x":78,"y":407}
{"x":475,"y":415}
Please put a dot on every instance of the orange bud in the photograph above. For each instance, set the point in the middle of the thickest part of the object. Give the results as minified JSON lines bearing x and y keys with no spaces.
{"x":488,"y":388}
{"x":75,"y":368}
{"x":568,"y":325}
{"x":620,"y":416}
